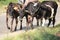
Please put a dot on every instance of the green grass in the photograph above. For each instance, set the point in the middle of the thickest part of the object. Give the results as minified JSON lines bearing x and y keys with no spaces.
{"x":4,"y":3}
{"x":7,"y":2}
{"x":40,"y":33}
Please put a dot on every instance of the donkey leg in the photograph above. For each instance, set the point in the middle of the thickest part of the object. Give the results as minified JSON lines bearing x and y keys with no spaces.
{"x":16,"y":24}
{"x":53,"y":21}
{"x":27,"y":24}
{"x":12,"y":24}
{"x":43,"y":21}
{"x":32,"y":23}
{"x":7,"y":21}
{"x":54,"y":16}
{"x":20,"y":24}
{"x":49,"y":22}
{"x":37,"y":22}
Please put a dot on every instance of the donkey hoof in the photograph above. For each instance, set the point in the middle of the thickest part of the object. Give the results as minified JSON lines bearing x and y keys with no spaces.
{"x":20,"y":28}
{"x":11,"y":31}
{"x":8,"y":27}
{"x":15,"y":30}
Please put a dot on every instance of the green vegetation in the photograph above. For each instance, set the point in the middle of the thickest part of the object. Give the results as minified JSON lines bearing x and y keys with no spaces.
{"x":39,"y":33}
{"x":5,"y":2}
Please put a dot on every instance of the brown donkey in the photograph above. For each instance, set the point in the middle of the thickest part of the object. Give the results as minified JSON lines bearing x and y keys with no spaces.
{"x":13,"y":11}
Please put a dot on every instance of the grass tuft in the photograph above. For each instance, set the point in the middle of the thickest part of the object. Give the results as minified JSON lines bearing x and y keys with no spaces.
{"x":40,"y":33}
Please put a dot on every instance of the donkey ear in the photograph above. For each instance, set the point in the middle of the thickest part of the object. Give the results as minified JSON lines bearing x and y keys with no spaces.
{"x":16,"y":8}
